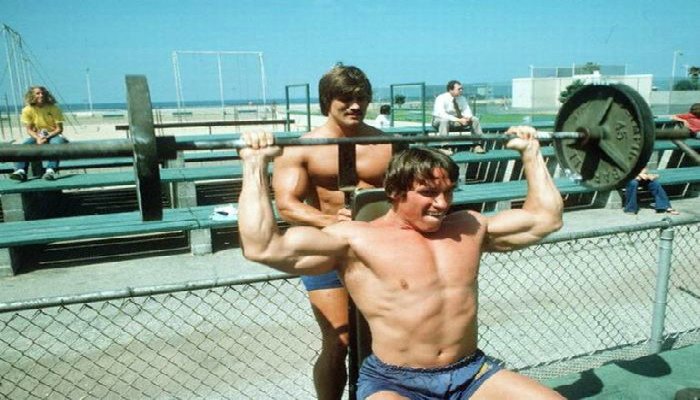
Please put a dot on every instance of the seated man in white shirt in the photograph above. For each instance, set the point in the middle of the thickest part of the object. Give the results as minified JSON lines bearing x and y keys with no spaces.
{"x":451,"y":112}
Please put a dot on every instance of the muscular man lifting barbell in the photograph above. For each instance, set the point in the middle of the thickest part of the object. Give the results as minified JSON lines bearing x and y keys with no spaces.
{"x":412,"y":272}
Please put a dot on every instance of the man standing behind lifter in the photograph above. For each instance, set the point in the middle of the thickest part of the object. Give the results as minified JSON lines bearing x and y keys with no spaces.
{"x":305,"y":183}
{"x":451,"y":112}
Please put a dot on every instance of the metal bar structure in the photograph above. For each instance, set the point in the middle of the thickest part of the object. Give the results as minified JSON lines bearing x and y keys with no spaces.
{"x":307,"y":91}
{"x":17,"y":69}
{"x":221,"y":86}
{"x":167,"y":144}
{"x":263,"y":80}
{"x":89,"y":90}
{"x":663,"y":273}
{"x":218,"y":54}
{"x":689,"y":151}
{"x":421,"y":85}
{"x":178,"y":86}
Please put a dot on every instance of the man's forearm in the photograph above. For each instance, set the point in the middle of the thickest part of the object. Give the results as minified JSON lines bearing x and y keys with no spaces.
{"x":256,"y":219}
{"x":300,"y":213}
{"x":542,"y":194}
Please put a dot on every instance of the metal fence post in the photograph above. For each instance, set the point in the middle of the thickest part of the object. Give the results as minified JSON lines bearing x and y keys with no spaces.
{"x":662,"y":276}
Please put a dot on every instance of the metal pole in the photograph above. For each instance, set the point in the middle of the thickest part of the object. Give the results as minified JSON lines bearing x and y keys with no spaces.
{"x":8,"y":56}
{"x":307,"y":92}
{"x":2,"y":126}
{"x":9,"y":117}
{"x":422,"y":100}
{"x":262,"y":78}
{"x":391,"y":101}
{"x":221,"y":85}
{"x":178,"y":87}
{"x":662,"y":276}
{"x":286,"y":100}
{"x":676,"y":53}
{"x":308,"y":107}
{"x":89,"y":91}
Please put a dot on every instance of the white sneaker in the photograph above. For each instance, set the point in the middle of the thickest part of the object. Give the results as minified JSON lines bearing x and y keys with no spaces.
{"x":49,"y":175}
{"x":19,"y":175}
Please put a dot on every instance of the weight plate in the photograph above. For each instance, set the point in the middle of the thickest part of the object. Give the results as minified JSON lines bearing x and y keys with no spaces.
{"x":143,"y":137}
{"x":625,"y":125}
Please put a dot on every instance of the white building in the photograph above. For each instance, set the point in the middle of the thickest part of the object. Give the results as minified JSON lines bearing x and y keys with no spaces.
{"x":543,"y":93}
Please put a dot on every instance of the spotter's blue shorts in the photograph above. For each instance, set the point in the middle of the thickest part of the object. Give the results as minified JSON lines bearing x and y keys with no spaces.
{"x":455,"y":381}
{"x":329,"y":280}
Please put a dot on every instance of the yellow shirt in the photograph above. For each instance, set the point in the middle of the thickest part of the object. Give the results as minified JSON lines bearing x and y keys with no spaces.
{"x":46,"y":117}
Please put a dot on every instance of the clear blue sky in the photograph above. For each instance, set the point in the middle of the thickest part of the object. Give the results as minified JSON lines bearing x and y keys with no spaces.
{"x":392,"y":41}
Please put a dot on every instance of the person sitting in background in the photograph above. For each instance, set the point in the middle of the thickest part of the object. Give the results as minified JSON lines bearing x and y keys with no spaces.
{"x":661,"y":202}
{"x":451,"y":112}
{"x":382,"y":121}
{"x":43,"y":121}
{"x":691,"y":119}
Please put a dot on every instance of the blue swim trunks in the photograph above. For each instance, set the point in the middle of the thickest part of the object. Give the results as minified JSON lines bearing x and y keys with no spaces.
{"x":455,"y":381}
{"x":329,"y":280}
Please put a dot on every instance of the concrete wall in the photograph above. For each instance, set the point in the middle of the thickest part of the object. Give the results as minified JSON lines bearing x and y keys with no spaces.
{"x":665,"y":102}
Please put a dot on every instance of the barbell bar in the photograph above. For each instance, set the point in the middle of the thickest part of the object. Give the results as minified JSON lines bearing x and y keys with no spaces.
{"x":603,"y":133}
{"x":168,"y":146}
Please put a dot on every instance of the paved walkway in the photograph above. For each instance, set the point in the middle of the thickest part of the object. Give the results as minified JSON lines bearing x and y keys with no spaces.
{"x":657,"y":376}
{"x":230,"y":264}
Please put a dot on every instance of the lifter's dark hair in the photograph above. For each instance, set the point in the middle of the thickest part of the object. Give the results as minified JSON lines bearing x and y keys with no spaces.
{"x":416,"y":165}
{"x":343,"y":82}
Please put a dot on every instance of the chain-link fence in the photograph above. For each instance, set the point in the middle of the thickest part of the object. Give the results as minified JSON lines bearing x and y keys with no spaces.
{"x":571,"y":303}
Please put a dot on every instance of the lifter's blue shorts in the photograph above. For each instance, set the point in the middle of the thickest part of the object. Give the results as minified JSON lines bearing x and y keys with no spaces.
{"x":329,"y":280}
{"x":455,"y":381}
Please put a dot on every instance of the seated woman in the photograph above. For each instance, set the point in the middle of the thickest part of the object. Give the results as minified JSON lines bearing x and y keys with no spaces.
{"x":43,"y":121}
{"x":661,"y":202}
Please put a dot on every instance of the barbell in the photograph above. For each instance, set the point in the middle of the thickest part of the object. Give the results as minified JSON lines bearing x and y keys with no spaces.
{"x":603,"y":133}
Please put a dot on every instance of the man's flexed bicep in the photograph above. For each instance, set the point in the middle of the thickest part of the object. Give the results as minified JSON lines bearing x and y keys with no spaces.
{"x":541,"y":213}
{"x":515,"y":229}
{"x":300,"y":250}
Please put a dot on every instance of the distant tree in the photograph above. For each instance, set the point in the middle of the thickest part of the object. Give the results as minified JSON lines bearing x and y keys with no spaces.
{"x":399,"y":100}
{"x":694,"y":71}
{"x":694,"y":74}
{"x":588,"y":68}
{"x":571,"y":89}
